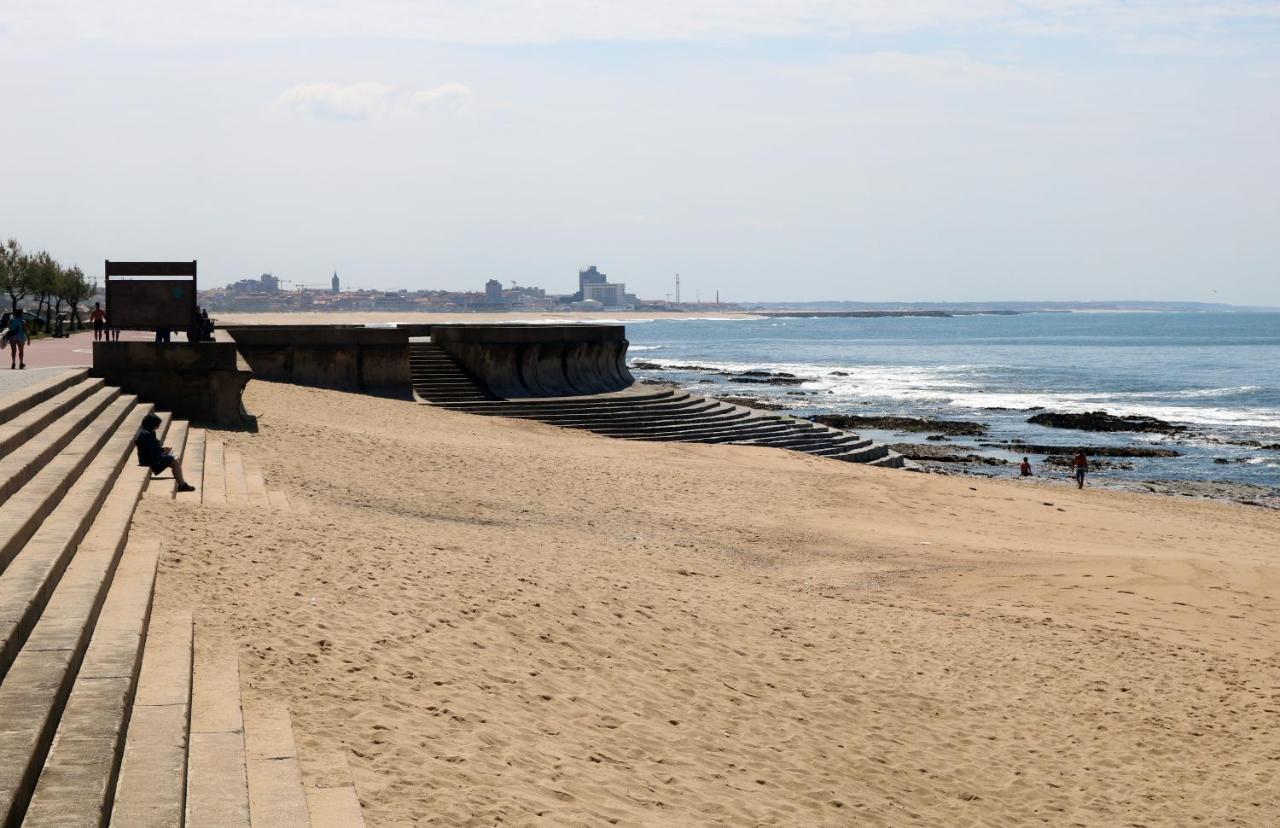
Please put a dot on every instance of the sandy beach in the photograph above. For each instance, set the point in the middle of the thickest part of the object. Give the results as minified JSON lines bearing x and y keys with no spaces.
{"x":508,"y":622}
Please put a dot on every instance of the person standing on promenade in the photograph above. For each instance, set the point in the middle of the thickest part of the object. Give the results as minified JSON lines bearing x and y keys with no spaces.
{"x":99,"y":319}
{"x":1080,"y":465}
{"x":17,"y":332}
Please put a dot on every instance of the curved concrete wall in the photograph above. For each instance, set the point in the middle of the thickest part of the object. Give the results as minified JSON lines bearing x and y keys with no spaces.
{"x":540,"y":360}
{"x":329,"y":356}
{"x":512,"y":360}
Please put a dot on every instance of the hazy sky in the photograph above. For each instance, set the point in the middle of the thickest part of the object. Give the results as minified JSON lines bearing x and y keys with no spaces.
{"x":797,"y":149}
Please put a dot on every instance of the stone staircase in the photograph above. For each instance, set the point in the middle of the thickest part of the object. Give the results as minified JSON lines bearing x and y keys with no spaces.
{"x":677,"y":416}
{"x":438,"y":378}
{"x":100,"y":720}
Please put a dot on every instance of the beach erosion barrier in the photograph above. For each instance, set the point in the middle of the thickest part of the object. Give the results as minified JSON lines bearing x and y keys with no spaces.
{"x":508,"y":360}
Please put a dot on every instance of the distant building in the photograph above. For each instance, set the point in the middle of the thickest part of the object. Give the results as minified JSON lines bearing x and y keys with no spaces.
{"x":493,"y":292}
{"x":590,"y":276}
{"x":335,"y":285}
{"x":270,"y":284}
{"x":608,"y":294}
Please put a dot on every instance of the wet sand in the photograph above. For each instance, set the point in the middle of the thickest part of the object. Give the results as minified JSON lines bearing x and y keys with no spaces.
{"x":505,"y":621}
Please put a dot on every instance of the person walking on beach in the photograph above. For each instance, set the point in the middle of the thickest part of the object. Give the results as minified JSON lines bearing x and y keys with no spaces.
{"x":1080,"y":465}
{"x":99,"y":319}
{"x":17,"y":337}
{"x":1025,"y":467}
{"x":157,"y":457}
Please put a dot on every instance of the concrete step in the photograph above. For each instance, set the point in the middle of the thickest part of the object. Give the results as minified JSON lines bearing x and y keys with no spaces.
{"x":256,"y":484}
{"x":11,"y":405}
{"x":193,"y":465}
{"x":651,"y":409}
{"x":35,"y":454}
{"x":22,"y":513}
{"x":806,"y":442}
{"x":601,"y":403}
{"x":875,"y":451}
{"x":237,"y":483}
{"x":151,"y":786}
{"x":78,"y":782}
{"x":214,"y":492}
{"x":891,"y":460}
{"x":35,"y":689}
{"x":702,"y":419}
{"x":737,"y":430}
{"x":636,"y":415}
{"x":217,"y":781}
{"x":27,"y":424}
{"x":331,"y":796}
{"x":277,"y":798}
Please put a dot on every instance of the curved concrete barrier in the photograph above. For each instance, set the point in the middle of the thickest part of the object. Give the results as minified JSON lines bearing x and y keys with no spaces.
{"x":540,"y":360}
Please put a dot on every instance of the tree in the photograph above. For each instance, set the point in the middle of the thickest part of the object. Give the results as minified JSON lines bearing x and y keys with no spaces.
{"x":76,"y":289}
{"x":71,"y":288}
{"x":42,"y":279}
{"x":14,"y":272}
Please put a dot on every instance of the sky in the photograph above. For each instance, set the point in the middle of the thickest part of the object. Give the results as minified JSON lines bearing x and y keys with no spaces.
{"x":888,"y":150}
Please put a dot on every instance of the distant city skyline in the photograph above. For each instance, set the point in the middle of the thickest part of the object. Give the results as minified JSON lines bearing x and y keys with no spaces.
{"x":913,"y":151}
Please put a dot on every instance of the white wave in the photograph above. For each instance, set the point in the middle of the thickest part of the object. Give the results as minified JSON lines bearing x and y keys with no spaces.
{"x":644,"y":347}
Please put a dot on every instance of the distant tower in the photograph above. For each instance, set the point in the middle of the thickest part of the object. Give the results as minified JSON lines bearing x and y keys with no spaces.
{"x":335,"y":285}
{"x":677,"y":288}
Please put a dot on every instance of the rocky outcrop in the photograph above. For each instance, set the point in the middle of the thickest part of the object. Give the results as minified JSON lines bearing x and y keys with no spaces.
{"x":943,"y":454}
{"x":958,"y":428}
{"x":1090,"y":451}
{"x":1102,"y":421}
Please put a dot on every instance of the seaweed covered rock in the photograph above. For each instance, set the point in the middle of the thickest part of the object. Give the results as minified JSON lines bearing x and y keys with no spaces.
{"x":1102,"y":421}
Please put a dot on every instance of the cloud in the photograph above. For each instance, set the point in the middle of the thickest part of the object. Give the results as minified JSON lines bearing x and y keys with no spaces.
{"x":352,"y":102}
{"x":447,"y":97}
{"x":369,"y":100}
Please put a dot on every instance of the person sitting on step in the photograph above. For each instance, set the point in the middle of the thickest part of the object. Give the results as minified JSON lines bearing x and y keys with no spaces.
{"x":157,"y":457}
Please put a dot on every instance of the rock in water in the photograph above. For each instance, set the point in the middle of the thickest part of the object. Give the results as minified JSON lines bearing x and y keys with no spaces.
{"x":1102,"y":421}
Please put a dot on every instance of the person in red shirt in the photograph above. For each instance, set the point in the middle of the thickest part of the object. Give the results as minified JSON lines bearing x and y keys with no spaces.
{"x":1025,"y":467}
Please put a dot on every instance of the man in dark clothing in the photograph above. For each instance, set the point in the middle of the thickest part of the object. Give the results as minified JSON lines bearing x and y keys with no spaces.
{"x":1080,"y":465}
{"x":157,"y":457}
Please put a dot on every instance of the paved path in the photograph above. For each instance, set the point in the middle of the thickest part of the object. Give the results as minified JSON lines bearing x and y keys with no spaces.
{"x":48,"y":356}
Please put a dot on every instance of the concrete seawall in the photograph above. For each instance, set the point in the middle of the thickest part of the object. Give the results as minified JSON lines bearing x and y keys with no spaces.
{"x":511,"y":360}
{"x":353,"y":358}
{"x":540,"y":360}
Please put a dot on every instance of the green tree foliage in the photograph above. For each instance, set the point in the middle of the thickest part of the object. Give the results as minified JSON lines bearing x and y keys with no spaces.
{"x":40,"y":276}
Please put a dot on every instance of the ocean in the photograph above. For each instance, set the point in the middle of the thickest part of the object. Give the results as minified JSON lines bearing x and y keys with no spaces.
{"x":1216,"y":373}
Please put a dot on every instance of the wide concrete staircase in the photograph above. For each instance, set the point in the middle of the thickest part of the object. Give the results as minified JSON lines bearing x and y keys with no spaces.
{"x":438,"y":378}
{"x":676,"y":416}
{"x":97,"y":720}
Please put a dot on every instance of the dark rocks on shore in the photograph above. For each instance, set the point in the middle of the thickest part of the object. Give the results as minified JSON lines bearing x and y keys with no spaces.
{"x":1065,"y":461}
{"x":937,"y":437}
{"x":643,"y":365}
{"x":839,"y":373}
{"x":1091,"y":451}
{"x":852,"y":422}
{"x":1102,"y":421}
{"x":753,"y":402}
{"x":774,"y":380}
{"x":943,"y":454}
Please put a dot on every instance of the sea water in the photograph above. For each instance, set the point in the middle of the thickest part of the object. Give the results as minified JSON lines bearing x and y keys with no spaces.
{"x":1216,"y":373}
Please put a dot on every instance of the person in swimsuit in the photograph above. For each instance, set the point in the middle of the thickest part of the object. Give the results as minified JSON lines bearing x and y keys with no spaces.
{"x":157,"y":457}
{"x":99,"y":319}
{"x":1025,"y":467}
{"x":1080,"y":465}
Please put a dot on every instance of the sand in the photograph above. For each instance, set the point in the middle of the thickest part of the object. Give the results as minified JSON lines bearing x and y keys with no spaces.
{"x":407,"y":317}
{"x":508,"y":622}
